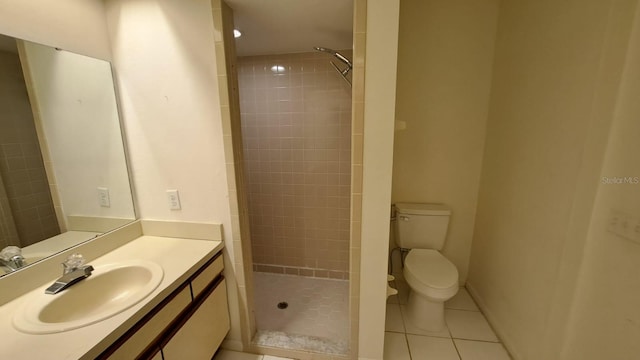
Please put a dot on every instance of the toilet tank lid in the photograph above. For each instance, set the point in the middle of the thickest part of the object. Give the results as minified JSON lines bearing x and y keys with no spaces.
{"x":423,"y":209}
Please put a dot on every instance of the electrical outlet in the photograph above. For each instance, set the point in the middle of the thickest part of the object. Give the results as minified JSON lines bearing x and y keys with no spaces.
{"x":103,"y":197}
{"x":174,"y":200}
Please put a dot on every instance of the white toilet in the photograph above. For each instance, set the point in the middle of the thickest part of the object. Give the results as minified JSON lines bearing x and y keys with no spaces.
{"x":433,"y":279}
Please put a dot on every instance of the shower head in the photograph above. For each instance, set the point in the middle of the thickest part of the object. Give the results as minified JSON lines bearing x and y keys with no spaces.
{"x":336,"y":54}
{"x":340,"y":57}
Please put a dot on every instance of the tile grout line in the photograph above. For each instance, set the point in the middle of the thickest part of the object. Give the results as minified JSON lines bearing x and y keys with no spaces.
{"x":449,"y":332}
{"x":406,"y":341}
{"x":446,"y":308}
{"x":476,"y":340}
{"x":452,"y":339}
{"x":404,"y":327}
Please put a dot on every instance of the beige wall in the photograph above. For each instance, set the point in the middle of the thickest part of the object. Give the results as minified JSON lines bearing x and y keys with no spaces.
{"x":169,"y":99}
{"x":606,"y":316}
{"x":77,"y":26}
{"x":556,"y":73}
{"x":445,"y":57}
{"x":163,"y":52}
{"x":377,"y":160}
{"x":296,"y":125}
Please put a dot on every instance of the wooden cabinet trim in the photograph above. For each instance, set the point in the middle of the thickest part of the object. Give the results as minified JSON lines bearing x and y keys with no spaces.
{"x":147,"y":353}
{"x":145,"y":319}
{"x":186,"y":315}
{"x":205,"y":266}
{"x":208,"y":274}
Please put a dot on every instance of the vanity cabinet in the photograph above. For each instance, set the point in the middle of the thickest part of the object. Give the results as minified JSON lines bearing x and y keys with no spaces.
{"x":193,"y":340}
{"x":189,"y":324}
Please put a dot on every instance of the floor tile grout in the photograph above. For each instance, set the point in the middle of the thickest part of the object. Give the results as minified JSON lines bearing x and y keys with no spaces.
{"x":398,"y":332}
{"x":483,"y":341}
{"x":450,"y":333}
{"x":406,"y":340}
{"x":446,"y":308}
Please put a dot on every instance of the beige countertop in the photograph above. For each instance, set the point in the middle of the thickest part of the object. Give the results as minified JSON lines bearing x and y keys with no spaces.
{"x":57,"y":243}
{"x":179,"y":259}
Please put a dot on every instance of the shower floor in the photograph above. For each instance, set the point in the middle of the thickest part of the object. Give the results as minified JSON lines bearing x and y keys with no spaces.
{"x":316,"y":317}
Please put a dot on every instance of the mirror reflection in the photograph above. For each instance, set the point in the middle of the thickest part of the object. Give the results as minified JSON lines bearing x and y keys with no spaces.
{"x":63,"y":172}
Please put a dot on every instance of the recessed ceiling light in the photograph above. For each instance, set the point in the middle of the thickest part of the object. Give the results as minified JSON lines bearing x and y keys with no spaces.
{"x":236,"y":33}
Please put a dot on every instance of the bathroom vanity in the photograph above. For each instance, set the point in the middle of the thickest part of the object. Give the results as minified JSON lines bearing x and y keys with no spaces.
{"x":185,"y":316}
{"x":191,"y":322}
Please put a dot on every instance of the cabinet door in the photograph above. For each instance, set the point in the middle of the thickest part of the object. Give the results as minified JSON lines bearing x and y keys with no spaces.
{"x":153,"y":328}
{"x":207,"y":276}
{"x":203,"y":332}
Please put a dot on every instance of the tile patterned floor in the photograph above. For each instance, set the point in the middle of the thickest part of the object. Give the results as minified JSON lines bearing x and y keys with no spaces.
{"x":316,"y":318}
{"x":234,"y":355}
{"x":467,"y":335}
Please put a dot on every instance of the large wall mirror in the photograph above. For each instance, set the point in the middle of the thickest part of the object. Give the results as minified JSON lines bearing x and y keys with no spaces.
{"x":63,"y":170}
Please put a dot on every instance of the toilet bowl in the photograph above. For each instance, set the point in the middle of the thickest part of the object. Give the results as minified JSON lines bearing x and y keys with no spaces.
{"x":433,"y":279}
{"x":422,"y":230}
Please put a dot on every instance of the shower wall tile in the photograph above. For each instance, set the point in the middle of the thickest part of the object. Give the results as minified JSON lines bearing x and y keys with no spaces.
{"x":296,"y":126}
{"x":359,"y":48}
{"x":27,"y":213}
{"x":233,"y":150}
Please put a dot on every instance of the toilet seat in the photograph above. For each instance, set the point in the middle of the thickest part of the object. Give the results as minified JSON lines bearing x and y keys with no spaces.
{"x":431,"y":274}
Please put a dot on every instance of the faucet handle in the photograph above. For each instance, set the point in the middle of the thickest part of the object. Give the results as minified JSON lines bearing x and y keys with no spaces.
{"x":10,"y":252}
{"x":11,"y":257}
{"x":73,"y":262}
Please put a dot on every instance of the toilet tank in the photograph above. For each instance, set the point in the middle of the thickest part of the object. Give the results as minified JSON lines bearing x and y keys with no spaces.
{"x":421,"y":226}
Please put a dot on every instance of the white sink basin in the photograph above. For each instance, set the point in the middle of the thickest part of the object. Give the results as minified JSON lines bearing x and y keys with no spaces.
{"x":110,"y":290}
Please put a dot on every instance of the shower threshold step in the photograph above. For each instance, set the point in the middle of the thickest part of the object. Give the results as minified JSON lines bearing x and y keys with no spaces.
{"x":279,"y":339}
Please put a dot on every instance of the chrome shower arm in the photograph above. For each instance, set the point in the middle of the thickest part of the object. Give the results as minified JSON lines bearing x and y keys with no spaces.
{"x":336,"y":54}
{"x":342,"y":72}
{"x":343,"y":59}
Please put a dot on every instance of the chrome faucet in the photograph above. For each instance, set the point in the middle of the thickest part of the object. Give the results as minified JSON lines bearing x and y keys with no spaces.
{"x":11,"y":258}
{"x":74,"y":270}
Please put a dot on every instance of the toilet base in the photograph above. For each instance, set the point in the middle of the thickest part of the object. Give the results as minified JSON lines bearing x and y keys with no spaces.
{"x":424,"y":313}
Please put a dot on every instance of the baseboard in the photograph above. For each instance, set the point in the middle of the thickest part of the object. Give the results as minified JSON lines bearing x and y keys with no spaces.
{"x":233,"y":345}
{"x":502,"y":335}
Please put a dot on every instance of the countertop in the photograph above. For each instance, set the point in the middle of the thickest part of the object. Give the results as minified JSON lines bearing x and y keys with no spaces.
{"x":179,"y":259}
{"x":57,"y":243}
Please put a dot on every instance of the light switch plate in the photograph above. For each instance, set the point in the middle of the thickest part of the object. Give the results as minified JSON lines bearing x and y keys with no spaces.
{"x":103,"y":197}
{"x":174,"y":200}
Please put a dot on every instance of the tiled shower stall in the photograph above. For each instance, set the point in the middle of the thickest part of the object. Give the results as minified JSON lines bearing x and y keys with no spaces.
{"x":27,"y":212}
{"x":296,"y":127}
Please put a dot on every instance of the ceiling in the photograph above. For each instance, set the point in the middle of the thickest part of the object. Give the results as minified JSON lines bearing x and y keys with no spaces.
{"x":291,"y":26}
